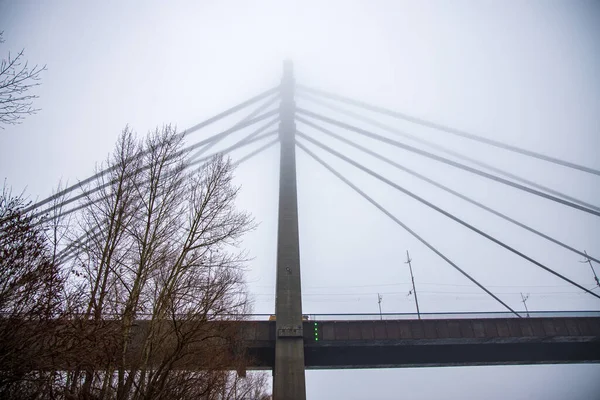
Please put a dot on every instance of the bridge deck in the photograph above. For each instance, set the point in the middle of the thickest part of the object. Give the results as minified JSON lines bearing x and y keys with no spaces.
{"x":379,"y":343}
{"x":444,"y":342}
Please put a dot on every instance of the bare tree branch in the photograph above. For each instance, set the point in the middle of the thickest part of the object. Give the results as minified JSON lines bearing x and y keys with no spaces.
{"x":17,"y":80}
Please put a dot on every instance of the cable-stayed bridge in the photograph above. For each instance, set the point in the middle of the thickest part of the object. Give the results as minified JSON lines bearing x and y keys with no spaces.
{"x":290,"y":344}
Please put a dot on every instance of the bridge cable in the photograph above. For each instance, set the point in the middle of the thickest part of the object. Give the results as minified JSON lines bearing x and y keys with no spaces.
{"x":396,"y":220}
{"x":225,"y":151}
{"x":243,"y":142}
{"x":447,"y":214}
{"x":446,"y":161}
{"x":257,"y":151}
{"x":188,"y":131}
{"x":448,"y":129}
{"x":250,"y":116}
{"x":247,"y":140}
{"x":446,"y":150}
{"x":184,"y":150}
{"x":445,"y":188}
{"x":63,"y":256}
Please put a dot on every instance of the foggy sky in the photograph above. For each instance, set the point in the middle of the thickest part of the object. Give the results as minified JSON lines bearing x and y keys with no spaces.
{"x":523,"y":73}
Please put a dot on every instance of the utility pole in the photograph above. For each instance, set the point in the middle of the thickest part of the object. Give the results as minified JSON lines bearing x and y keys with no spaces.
{"x":408,"y":260}
{"x":379,"y":298}
{"x":288,"y":373}
{"x":524,"y":301}
{"x":587,"y":260}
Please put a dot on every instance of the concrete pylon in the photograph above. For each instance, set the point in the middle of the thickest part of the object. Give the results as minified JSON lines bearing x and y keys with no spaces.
{"x":288,"y":376}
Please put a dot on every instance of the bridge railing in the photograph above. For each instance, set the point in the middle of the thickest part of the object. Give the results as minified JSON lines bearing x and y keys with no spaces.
{"x":436,"y":315}
{"x":452,"y":315}
{"x":377,"y":316}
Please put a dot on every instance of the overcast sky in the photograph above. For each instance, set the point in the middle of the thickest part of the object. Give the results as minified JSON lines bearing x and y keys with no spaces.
{"x":524,"y":73}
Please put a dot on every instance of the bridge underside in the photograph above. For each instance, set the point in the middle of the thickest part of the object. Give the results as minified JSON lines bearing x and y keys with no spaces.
{"x":366,"y":344}
{"x":436,"y":343}
{"x":432,"y":354}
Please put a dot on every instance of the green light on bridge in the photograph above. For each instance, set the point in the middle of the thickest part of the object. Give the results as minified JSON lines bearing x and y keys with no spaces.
{"x":316,"y":332}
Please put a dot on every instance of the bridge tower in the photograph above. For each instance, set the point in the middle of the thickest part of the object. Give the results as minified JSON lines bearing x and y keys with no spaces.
{"x":288,"y":376}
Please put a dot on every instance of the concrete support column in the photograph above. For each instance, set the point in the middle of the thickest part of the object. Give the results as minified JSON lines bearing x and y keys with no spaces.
{"x":288,"y":377}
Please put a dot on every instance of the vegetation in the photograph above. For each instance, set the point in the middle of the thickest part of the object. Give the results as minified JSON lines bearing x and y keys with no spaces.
{"x":17,"y":80}
{"x":120,"y":299}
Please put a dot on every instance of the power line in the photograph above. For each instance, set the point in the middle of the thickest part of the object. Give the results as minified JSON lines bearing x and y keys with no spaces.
{"x":382,"y":209}
{"x":426,"y":283}
{"x":445,"y":160}
{"x":443,"y":187}
{"x":435,"y":292}
{"x":449,"y":215}
{"x":448,"y":129}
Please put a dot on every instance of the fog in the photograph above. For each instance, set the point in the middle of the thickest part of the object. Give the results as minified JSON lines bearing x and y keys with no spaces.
{"x":523,"y":73}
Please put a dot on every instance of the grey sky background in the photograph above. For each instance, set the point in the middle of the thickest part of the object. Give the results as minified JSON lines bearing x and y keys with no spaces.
{"x":524,"y":73}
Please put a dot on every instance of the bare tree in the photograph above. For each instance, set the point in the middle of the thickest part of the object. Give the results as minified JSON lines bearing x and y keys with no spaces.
{"x":161,"y":266}
{"x":146,"y":308}
{"x":254,"y":386}
{"x":31,"y":296}
{"x":17,"y":79}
